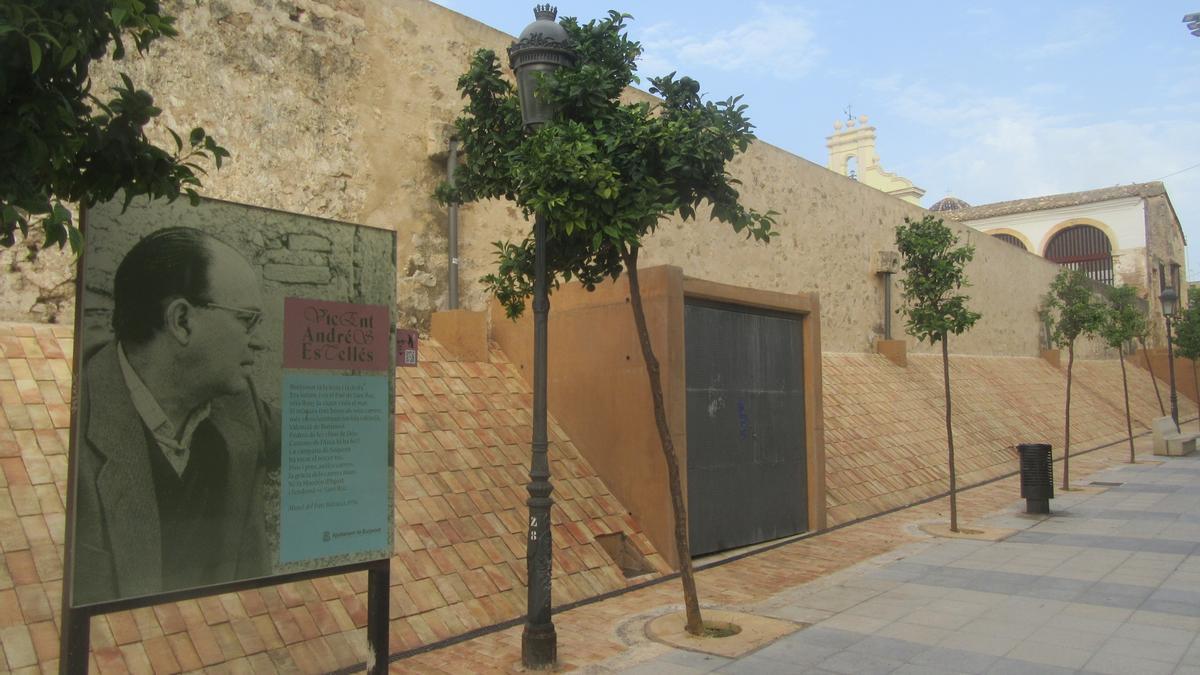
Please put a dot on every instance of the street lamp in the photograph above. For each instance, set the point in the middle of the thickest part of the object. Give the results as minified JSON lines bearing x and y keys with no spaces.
{"x":1169,"y":298}
{"x":542,"y":48}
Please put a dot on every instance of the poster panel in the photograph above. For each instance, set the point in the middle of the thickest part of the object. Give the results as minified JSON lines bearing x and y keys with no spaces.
{"x":235,"y":399}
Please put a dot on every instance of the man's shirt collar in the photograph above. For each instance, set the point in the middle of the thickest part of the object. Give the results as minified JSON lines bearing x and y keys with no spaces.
{"x":174,"y":445}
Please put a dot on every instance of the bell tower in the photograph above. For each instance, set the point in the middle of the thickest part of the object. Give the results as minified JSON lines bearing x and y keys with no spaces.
{"x":852,"y":153}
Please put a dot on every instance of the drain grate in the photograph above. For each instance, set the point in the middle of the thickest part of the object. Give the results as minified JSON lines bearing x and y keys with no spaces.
{"x":1100,"y":483}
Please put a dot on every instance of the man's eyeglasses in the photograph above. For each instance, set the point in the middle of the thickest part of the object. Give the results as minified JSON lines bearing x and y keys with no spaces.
{"x":249,"y":318}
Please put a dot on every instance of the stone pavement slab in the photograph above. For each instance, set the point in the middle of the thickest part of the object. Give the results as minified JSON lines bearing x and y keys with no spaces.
{"x":1088,"y":589}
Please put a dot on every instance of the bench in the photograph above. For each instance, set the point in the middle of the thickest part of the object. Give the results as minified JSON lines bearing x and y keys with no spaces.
{"x":1169,"y":442}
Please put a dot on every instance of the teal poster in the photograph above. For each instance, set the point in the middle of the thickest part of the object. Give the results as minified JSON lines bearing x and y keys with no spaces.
{"x":335,"y":476}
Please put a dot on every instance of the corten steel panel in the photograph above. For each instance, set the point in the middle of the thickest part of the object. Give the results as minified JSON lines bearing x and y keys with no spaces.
{"x":746,"y":455}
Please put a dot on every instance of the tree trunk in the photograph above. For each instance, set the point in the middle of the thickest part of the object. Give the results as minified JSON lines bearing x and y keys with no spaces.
{"x":1128,"y":419}
{"x":1067,"y":434}
{"x":691,"y":601}
{"x":950,"y":436}
{"x":1162,"y":412}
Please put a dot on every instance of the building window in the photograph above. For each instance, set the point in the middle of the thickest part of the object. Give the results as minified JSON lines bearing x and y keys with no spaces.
{"x":1009,"y":239}
{"x":1083,"y":247}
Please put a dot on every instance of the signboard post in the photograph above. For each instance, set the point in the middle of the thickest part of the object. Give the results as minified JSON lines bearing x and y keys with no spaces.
{"x":233,"y":409}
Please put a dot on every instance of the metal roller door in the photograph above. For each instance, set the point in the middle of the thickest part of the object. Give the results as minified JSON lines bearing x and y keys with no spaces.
{"x":746,"y":455}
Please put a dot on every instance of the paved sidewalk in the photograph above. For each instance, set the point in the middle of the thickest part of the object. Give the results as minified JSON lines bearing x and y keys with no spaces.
{"x":1108,"y":583}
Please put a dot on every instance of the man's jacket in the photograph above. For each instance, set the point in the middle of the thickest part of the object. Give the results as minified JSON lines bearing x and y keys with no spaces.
{"x":117,"y":537}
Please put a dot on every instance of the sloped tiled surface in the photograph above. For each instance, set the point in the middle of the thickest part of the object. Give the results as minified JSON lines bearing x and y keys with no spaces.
{"x":885,"y":434}
{"x":461,"y":467}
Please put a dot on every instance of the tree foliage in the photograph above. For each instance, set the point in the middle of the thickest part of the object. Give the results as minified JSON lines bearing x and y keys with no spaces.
{"x":604,"y":173}
{"x":60,"y":143}
{"x":933,"y":273}
{"x":1123,"y":320}
{"x":1073,"y":308}
{"x":1186,"y":327}
{"x":1074,"y":311}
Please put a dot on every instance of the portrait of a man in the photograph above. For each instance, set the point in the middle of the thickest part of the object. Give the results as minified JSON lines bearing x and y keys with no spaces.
{"x":173,"y":441}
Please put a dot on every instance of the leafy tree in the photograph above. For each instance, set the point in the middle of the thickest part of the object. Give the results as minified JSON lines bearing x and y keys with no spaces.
{"x":1124,"y":321}
{"x":1187,"y":334}
{"x":603,"y":174}
{"x":933,"y":275}
{"x":59,"y":142}
{"x":1074,"y":311}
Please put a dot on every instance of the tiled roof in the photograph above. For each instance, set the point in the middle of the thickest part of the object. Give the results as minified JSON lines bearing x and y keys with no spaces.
{"x":1054,"y":201}
{"x":461,"y":468}
{"x":885,"y":434}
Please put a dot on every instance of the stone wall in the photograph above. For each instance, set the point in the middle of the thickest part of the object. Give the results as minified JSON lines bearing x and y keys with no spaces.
{"x":340,"y":109}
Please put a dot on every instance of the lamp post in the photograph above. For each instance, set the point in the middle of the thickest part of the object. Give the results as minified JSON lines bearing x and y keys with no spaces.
{"x":542,"y":48}
{"x":1169,"y":298}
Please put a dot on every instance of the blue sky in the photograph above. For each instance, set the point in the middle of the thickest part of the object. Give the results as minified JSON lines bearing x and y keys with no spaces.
{"x":985,"y":101}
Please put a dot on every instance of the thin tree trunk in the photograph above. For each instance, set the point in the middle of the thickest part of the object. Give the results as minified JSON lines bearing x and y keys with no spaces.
{"x":691,"y":600}
{"x":1128,"y":419}
{"x":1067,"y":435}
{"x":950,"y":436}
{"x":1196,"y":383}
{"x":1162,"y":412}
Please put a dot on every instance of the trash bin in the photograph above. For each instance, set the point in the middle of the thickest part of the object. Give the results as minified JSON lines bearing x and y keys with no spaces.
{"x":1037,"y":476}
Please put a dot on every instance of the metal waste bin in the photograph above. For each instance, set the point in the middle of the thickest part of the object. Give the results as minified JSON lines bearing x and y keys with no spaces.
{"x":1037,"y":476}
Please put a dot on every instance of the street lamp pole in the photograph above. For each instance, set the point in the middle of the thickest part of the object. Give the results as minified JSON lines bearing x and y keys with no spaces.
{"x":1169,"y":298}
{"x":541,"y":49}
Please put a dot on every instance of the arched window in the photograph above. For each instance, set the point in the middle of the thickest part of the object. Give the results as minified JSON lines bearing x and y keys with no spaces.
{"x":1009,"y":239}
{"x":852,"y":167}
{"x":1083,"y":247}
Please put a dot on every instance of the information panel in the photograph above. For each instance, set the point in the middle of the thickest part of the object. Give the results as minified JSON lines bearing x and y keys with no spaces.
{"x":235,"y":399}
{"x":334,"y":496}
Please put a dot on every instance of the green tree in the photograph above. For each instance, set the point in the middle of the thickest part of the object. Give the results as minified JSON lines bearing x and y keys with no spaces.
{"x":604,"y":174}
{"x":1123,"y":322}
{"x":1074,"y":311}
{"x":1187,"y":334}
{"x":59,"y":142}
{"x":933,"y":274}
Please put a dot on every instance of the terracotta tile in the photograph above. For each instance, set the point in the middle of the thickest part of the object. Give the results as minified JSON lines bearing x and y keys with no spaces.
{"x":227,"y":641}
{"x":20,"y":567}
{"x":206,"y":644}
{"x":110,"y":660}
{"x":18,"y":646}
{"x":34,"y":604}
{"x":289,"y":632}
{"x":170,"y":618}
{"x":264,"y":626}
{"x":425,"y":594}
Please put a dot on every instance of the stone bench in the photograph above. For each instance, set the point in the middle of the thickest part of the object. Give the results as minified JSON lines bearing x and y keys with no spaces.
{"x":1168,"y":442}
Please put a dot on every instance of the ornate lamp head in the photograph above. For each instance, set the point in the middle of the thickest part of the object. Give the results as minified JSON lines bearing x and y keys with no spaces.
{"x":1169,"y":300}
{"x":542,"y":48}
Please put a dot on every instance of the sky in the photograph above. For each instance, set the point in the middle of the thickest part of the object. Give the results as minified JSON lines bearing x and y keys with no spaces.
{"x":985,"y":101}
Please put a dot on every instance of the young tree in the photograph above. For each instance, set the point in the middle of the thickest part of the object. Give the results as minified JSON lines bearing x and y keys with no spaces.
{"x":1124,"y":321}
{"x":603,"y":174}
{"x":933,"y":275}
{"x":1187,"y":334}
{"x":1141,"y":338}
{"x":62,"y":144}
{"x":1074,"y":311}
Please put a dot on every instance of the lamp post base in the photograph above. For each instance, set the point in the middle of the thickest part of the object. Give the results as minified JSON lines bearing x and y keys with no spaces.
{"x":539,"y":647}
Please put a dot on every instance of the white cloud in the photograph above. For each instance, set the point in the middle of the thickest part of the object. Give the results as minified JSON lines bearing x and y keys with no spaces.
{"x":775,"y":41}
{"x":992,"y":148}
